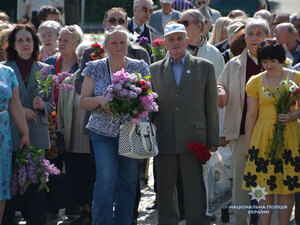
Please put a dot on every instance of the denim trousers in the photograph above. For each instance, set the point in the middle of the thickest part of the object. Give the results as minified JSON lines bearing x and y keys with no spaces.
{"x":115,"y":185}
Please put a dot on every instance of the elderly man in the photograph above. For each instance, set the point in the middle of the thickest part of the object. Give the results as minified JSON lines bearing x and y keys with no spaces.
{"x":295,"y":20}
{"x":231,"y":92}
{"x":164,"y":15}
{"x":186,"y":85}
{"x":203,"y":5}
{"x":287,"y":35}
{"x":194,"y":24}
{"x":142,"y":10}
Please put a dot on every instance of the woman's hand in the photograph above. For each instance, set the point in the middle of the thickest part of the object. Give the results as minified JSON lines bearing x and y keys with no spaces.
{"x":284,"y":118}
{"x":24,"y":140}
{"x":29,"y":114}
{"x":38,"y":103}
{"x":104,"y":103}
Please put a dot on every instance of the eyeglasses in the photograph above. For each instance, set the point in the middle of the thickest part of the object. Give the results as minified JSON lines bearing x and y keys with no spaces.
{"x":185,"y":23}
{"x":267,"y":42}
{"x":145,"y":9}
{"x":113,"y":20}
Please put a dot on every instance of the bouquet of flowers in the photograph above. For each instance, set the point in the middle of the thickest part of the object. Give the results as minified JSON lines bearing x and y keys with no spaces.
{"x":158,"y":49}
{"x":285,"y":96}
{"x":31,"y":167}
{"x":97,"y":52}
{"x":203,"y":154}
{"x":130,"y":94}
{"x":47,"y":81}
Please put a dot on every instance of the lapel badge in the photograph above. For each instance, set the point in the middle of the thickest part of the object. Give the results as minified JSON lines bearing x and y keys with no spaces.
{"x":188,"y":71}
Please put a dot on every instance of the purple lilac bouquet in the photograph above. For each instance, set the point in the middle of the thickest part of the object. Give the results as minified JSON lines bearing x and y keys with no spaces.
{"x":130,"y":94}
{"x":47,"y":81}
{"x":30,"y":167}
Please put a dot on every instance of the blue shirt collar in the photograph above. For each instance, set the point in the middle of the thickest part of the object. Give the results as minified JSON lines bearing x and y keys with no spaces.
{"x":182,"y":60}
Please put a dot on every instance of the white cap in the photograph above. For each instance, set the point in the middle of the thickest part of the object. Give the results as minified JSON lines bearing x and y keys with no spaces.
{"x":166,"y":1}
{"x":233,"y":29}
{"x":174,"y":28}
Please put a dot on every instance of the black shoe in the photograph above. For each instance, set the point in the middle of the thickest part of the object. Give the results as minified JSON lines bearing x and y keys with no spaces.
{"x":84,"y":219}
{"x":154,"y":206}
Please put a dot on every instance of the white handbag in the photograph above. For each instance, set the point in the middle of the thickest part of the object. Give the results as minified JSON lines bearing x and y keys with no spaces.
{"x":138,"y":141}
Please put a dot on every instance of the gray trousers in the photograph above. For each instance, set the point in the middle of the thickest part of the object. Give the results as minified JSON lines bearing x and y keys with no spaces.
{"x":193,"y":188}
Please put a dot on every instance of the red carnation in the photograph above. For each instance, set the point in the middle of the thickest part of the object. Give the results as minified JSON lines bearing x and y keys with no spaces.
{"x":203,"y":154}
{"x":144,"y":89}
{"x":96,"y":45}
{"x":142,"y":83}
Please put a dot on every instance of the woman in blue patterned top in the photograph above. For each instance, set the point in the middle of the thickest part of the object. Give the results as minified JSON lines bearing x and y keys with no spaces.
{"x":9,"y":105}
{"x":116,"y":175}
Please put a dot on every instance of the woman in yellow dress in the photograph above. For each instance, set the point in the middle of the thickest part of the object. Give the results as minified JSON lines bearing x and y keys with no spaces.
{"x":278,"y":176}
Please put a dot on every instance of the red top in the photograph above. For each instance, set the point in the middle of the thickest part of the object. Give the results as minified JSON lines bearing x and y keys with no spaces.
{"x":24,"y":66}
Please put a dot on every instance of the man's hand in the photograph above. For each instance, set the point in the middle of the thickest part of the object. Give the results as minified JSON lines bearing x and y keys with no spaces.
{"x":222,"y":97}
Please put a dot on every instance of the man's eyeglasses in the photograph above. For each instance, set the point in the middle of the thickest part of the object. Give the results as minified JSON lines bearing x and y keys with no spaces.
{"x":267,"y":42}
{"x":185,"y":23}
{"x":113,"y":20}
{"x":145,"y":9}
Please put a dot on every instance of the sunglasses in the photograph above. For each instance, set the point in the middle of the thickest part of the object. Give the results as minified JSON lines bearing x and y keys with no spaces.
{"x":185,"y":23}
{"x":113,"y":20}
{"x":71,"y":29}
{"x":145,"y":9}
{"x":267,"y":42}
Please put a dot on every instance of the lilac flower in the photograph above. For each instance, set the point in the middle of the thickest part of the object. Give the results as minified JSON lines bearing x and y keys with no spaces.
{"x":145,"y":100}
{"x":132,"y":94}
{"x":118,"y":87}
{"x":22,"y":175}
{"x":148,"y":83}
{"x":155,"y":95}
{"x":124,"y":92}
{"x":144,"y":40}
{"x":137,"y":90}
{"x":135,"y":120}
{"x":46,"y":70}
{"x":32,"y":172}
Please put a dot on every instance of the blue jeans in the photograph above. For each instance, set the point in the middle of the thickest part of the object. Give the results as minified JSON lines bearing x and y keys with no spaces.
{"x":115,"y":184}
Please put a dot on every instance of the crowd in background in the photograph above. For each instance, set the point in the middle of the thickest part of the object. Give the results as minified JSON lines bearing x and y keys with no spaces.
{"x":222,"y":52}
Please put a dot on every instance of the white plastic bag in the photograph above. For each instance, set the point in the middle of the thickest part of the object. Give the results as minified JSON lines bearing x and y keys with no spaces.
{"x":226,"y":157}
{"x":217,"y":183}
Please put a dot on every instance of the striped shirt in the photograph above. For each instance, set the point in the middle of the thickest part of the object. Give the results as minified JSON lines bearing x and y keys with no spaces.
{"x":182,"y":5}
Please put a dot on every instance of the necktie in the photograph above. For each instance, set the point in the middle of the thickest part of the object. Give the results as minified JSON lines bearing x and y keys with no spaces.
{"x":138,"y":30}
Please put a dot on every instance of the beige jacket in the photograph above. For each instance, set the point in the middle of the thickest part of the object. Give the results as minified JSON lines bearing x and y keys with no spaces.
{"x":233,"y":80}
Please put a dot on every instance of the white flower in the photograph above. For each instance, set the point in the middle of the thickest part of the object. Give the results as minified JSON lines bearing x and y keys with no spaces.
{"x":267,"y":93}
{"x":293,"y":88}
{"x":283,"y":83}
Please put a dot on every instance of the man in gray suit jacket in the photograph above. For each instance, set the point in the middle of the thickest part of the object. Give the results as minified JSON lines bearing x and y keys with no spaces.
{"x":164,"y":15}
{"x":188,"y":113}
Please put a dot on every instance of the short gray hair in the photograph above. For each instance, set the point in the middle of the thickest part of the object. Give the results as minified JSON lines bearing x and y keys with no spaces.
{"x":83,"y":45}
{"x":76,"y":33}
{"x":264,"y":14}
{"x":197,"y":17}
{"x":290,"y":27}
{"x":251,"y":22}
{"x":294,"y":17}
{"x":136,"y":3}
{"x":49,"y":24}
{"x":114,"y":29}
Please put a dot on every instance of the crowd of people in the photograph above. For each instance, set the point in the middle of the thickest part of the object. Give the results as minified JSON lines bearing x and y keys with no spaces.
{"x":214,"y":86}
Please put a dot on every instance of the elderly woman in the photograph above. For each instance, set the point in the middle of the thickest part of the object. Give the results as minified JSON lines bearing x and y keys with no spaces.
{"x":116,"y":179}
{"x":79,"y":161}
{"x":10,"y":105}
{"x":22,"y":55}
{"x":231,"y":92}
{"x":48,"y":33}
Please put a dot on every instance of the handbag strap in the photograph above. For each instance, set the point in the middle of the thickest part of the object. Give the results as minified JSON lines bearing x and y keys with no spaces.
{"x":57,"y":65}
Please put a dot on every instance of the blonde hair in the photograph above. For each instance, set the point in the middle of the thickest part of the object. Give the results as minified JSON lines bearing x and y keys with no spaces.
{"x":219,"y":28}
{"x":4,"y":36}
